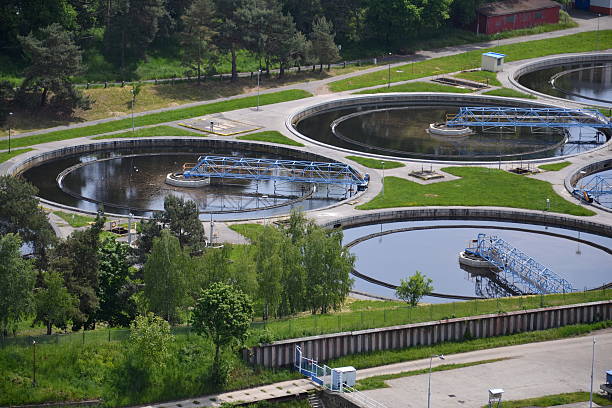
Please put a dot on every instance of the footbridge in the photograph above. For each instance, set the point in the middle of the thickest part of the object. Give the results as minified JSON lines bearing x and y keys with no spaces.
{"x":278,"y":170}
{"x":598,"y":189}
{"x":517,"y":269}
{"x":496,"y":116}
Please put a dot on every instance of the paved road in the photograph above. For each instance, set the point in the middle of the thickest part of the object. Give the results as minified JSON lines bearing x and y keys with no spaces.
{"x":534,"y":370}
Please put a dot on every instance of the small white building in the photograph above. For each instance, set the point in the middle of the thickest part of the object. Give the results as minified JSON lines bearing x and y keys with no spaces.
{"x":343,"y":376}
{"x":493,"y":61}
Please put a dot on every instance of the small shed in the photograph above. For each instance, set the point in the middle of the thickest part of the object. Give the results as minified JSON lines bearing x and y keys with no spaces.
{"x":493,"y":61}
{"x":509,"y":15}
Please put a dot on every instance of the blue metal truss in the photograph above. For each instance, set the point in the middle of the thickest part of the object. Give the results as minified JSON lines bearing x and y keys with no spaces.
{"x":518,"y":268}
{"x":596,"y":189}
{"x":528,"y":117}
{"x":272,"y":169}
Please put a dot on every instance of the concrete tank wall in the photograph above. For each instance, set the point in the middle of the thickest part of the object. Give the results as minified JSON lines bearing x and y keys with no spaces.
{"x":330,"y":346}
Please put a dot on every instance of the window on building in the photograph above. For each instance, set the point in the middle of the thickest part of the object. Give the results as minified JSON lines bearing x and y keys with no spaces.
{"x":538,"y":15}
{"x":510,"y":19}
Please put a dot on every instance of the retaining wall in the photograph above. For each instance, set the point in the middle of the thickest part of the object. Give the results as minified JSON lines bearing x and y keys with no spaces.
{"x":330,"y":346}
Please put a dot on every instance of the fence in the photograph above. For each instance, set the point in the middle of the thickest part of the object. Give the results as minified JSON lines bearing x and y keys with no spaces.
{"x":326,"y":347}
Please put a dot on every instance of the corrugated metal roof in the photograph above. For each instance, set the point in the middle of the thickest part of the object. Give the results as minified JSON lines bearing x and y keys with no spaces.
{"x":500,"y":8}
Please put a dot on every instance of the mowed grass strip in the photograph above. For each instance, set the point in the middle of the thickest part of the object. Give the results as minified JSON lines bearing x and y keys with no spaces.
{"x":161,"y":117}
{"x":509,"y":93}
{"x":74,"y":220}
{"x":375,"y":163}
{"x":4,"y":156}
{"x":270,"y":136}
{"x":152,"y":132}
{"x":485,"y":77}
{"x":554,"y":400}
{"x":376,"y":382}
{"x":478,"y":186}
{"x":580,"y":42}
{"x":554,"y":166}
{"x":416,"y":87}
{"x":250,"y":231}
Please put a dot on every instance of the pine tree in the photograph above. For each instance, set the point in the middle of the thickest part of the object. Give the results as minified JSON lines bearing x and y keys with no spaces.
{"x":324,"y":48}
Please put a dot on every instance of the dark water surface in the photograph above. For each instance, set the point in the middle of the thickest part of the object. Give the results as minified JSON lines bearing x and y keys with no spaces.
{"x":435,"y":253}
{"x":401,"y":131}
{"x":586,"y":83}
{"x":134,"y":180}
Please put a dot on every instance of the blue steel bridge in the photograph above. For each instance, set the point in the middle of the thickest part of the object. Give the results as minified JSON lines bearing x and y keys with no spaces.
{"x":295,"y":171}
{"x":496,"y":116}
{"x":517,"y":270}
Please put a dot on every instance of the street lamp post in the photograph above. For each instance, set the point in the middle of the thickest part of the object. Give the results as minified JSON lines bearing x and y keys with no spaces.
{"x":34,"y":364}
{"x":133,"y":97}
{"x":592,"y":370}
{"x":258,"y":73}
{"x":389,"y":74}
{"x":597,"y":36}
{"x":441,"y":357}
{"x":383,"y":178}
{"x":9,"y":133}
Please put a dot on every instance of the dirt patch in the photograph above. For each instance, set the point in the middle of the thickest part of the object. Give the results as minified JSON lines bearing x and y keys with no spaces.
{"x":431,"y":195}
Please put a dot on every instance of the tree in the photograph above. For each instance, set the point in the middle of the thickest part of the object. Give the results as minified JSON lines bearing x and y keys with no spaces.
{"x":78,"y":260}
{"x":150,"y":229}
{"x":150,"y":340}
{"x":285,"y":44}
{"x":390,"y":21}
{"x":182,"y":218}
{"x":328,"y":266}
{"x":197,"y":34}
{"x":229,"y":36}
{"x":414,"y":288}
{"x":53,"y":59}
{"x":116,"y":288}
{"x":165,"y":276}
{"x":324,"y":48}
{"x":269,"y":267}
{"x":132,"y":27}
{"x":20,"y":214}
{"x":17,"y":279}
{"x":224,"y":314}
{"x":55,"y":306}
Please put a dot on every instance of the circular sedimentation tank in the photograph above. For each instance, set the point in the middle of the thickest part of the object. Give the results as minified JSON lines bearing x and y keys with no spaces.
{"x":584,"y":79}
{"x":433,"y":248}
{"x":400,"y":126}
{"x":134,"y":180}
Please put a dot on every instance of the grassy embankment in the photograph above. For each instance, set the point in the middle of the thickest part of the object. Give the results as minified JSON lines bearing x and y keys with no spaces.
{"x":375,"y":163}
{"x":580,"y":42}
{"x":152,"y":132}
{"x":554,"y":400}
{"x":554,"y":166}
{"x":509,"y":93}
{"x":161,"y":117}
{"x":478,"y":186}
{"x":270,"y":136}
{"x":416,"y":87}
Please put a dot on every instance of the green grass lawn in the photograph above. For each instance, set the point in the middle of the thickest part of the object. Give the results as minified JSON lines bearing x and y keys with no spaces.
{"x":75,"y":220}
{"x":375,"y":163}
{"x":580,"y":42}
{"x":486,"y":77}
{"x":161,"y":117}
{"x":376,"y":382}
{"x":478,"y":186}
{"x":379,"y":358}
{"x":270,"y":136}
{"x":416,"y":87}
{"x":251,"y":231}
{"x":557,"y":399}
{"x":509,"y":93}
{"x":4,"y":156}
{"x":554,"y":166}
{"x":152,"y":132}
